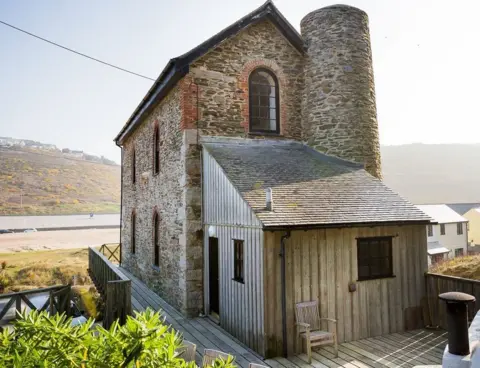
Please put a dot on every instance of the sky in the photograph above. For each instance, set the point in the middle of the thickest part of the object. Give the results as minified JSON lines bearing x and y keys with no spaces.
{"x":425,"y":58}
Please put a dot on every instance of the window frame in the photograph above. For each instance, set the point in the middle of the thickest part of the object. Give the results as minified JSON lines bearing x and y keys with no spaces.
{"x":239,"y":260}
{"x":459,"y":255}
{"x":429,"y":230}
{"x":133,"y":230}
{"x":361,"y":258}
{"x":459,"y":228}
{"x":156,"y":150}
{"x":134,"y":166}
{"x":442,"y":229}
{"x":277,"y":104}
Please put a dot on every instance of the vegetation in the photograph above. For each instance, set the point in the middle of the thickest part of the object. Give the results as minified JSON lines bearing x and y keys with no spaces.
{"x":39,"y":183}
{"x":40,"y":340}
{"x":31,"y":270}
{"x":467,"y":267}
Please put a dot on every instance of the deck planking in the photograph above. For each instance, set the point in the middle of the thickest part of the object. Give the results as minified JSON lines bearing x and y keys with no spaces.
{"x":401,"y":349}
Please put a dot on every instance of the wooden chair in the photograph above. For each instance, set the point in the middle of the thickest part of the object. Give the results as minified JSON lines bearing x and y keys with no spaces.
{"x":255,"y":365}
{"x":187,"y":351}
{"x":210,"y":355}
{"x":309,"y":327}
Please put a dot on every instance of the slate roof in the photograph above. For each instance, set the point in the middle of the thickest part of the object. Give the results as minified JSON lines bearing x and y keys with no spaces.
{"x":178,"y":67}
{"x":441,"y":213}
{"x":462,"y":208}
{"x":309,"y":188}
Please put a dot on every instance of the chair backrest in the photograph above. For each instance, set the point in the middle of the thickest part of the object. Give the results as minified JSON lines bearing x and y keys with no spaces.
{"x":307,"y":312}
{"x":210,"y":355}
{"x":255,"y":365}
{"x":187,"y":351}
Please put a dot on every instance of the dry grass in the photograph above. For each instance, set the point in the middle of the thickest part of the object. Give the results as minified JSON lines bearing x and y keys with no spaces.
{"x":467,"y":267}
{"x":31,"y":270}
{"x":39,"y":183}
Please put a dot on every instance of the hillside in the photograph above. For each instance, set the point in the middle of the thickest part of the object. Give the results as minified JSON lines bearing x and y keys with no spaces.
{"x":39,"y":182}
{"x":433,"y":173}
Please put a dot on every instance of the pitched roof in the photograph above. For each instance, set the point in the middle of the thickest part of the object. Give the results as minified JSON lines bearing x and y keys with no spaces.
{"x":178,"y":67}
{"x":309,"y":188}
{"x":462,"y":208}
{"x":441,"y":213}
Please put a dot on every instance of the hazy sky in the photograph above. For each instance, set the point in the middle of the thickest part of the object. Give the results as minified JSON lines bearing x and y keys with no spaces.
{"x":425,"y":54}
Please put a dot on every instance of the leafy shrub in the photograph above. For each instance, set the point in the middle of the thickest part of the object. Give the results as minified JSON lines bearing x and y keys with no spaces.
{"x":40,"y":340}
{"x":3,"y":264}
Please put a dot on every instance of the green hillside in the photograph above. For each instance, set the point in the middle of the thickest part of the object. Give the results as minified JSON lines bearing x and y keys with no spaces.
{"x":37,"y":183}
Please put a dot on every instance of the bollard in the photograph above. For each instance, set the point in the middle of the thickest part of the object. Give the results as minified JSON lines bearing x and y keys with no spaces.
{"x":457,"y":321}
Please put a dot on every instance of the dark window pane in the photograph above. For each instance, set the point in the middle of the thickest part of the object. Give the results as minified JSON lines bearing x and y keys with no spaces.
{"x":263,"y":101}
{"x":374,"y":257}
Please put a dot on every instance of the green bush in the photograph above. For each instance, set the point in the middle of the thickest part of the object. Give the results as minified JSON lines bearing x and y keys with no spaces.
{"x":39,"y":340}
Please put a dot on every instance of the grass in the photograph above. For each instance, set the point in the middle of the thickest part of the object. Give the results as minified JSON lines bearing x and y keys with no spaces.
{"x":31,"y":270}
{"x":467,"y":267}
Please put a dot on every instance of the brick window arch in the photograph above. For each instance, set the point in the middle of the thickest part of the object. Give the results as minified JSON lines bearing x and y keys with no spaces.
{"x":156,"y":149}
{"x":244,"y":90}
{"x":156,"y":238}
{"x":264,"y":112}
{"x":133,"y":231}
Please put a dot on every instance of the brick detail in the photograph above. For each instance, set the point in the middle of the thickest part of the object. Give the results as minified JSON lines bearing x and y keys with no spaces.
{"x":247,"y":69}
{"x":188,"y":103}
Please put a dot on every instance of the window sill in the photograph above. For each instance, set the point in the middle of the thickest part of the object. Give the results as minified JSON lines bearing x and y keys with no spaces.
{"x":268,"y":134}
{"x":377,"y":278}
{"x":239,"y":281}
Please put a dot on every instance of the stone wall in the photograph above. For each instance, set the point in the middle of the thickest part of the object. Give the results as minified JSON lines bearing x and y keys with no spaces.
{"x":339,"y":111}
{"x":168,"y":193}
{"x":222,"y":79}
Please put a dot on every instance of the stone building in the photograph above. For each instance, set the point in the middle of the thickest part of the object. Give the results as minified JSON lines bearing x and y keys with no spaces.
{"x":189,"y":175}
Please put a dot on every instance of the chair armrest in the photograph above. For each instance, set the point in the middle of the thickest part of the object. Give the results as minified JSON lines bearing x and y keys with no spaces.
{"x":329,"y":320}
{"x":303,"y":326}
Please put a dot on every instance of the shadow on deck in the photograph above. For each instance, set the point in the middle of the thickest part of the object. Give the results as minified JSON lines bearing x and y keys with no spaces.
{"x":405,"y":349}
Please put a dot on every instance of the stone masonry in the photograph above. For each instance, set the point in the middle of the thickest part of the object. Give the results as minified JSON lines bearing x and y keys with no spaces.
{"x":339,"y":111}
{"x":326,"y":99}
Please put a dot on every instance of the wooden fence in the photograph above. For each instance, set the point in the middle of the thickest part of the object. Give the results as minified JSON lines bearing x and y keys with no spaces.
{"x":114,"y":286}
{"x":57,"y":300}
{"x":111,"y":251}
{"x":437,"y":284}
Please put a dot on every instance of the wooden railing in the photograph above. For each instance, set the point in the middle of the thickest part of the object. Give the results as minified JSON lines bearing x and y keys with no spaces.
{"x":111,"y":251}
{"x":437,"y":284}
{"x":57,"y":301}
{"x":114,"y":286}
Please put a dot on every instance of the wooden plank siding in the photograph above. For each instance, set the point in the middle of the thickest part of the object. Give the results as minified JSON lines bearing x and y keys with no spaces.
{"x":240,"y":304}
{"x":321,"y":263}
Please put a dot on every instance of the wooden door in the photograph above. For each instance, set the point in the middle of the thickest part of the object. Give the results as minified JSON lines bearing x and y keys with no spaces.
{"x":214,"y":277}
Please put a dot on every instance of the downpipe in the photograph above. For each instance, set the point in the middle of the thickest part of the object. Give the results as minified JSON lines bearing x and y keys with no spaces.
{"x":284,"y":291}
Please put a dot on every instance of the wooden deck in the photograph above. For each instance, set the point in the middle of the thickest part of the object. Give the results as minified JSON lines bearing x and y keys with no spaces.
{"x":407,"y":349}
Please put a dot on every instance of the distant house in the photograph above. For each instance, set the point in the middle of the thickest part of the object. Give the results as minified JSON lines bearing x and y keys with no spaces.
{"x":462,"y":208}
{"x":473,"y":217}
{"x":448,"y":237}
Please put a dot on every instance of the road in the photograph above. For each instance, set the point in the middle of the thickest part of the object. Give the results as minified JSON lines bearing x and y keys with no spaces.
{"x":23,"y":222}
{"x":60,"y":239}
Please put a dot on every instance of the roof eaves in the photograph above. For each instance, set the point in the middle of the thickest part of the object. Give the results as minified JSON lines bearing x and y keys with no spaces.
{"x":178,"y":67}
{"x":267,"y":227}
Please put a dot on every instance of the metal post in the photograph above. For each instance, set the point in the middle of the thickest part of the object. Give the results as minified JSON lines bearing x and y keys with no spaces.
{"x":457,"y":321}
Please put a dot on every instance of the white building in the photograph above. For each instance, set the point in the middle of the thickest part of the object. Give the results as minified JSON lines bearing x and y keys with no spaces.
{"x":448,"y":238}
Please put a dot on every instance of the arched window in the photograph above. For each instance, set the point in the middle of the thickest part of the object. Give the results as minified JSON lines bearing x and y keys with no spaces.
{"x":134,"y":169}
{"x":132,"y":235}
{"x":264,"y":106}
{"x":156,"y":240}
{"x":156,"y":150}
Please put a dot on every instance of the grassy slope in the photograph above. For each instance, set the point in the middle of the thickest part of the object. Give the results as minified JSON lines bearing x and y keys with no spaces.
{"x":467,"y":267}
{"x":30,"y":270}
{"x":52,"y":184}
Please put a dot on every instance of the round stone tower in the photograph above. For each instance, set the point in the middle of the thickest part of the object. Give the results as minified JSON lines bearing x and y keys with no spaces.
{"x":339,"y":112}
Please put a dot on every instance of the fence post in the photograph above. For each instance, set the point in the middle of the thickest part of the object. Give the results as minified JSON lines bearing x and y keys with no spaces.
{"x":118,"y":303}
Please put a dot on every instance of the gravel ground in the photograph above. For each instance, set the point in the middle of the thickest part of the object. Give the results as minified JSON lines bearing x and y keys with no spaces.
{"x":61,"y":239}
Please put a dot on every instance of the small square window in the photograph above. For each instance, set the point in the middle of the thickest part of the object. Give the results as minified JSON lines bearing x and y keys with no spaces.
{"x":442,"y":229}
{"x":238,"y":260}
{"x":374,"y":257}
{"x":459,"y":252}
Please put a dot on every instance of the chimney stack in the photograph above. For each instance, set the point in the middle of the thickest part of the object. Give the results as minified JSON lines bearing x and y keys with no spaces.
{"x":269,"y":199}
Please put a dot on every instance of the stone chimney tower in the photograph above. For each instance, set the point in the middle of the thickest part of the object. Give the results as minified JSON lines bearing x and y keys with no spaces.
{"x":339,"y":112}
